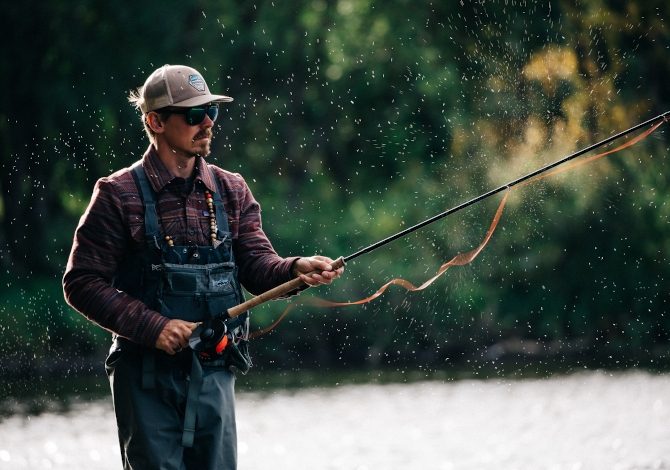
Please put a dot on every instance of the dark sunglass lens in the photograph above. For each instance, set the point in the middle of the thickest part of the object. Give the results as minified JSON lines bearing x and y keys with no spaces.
{"x":195,"y":116}
{"x":212,"y":112}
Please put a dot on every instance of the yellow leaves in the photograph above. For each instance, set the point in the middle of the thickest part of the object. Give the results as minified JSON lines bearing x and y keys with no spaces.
{"x":551,"y":65}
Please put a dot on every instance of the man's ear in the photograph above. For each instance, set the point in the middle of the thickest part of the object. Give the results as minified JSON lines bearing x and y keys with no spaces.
{"x":154,"y":122}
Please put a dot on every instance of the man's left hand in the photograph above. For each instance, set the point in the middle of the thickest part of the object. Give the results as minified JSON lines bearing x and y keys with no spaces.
{"x":316,"y":270}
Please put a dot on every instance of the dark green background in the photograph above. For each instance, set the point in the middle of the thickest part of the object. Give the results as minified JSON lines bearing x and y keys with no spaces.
{"x":352,"y":120}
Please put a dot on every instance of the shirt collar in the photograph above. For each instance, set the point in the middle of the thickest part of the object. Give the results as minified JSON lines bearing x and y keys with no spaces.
{"x":159,"y":176}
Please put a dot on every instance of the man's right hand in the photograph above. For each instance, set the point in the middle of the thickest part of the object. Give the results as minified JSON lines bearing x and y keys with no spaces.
{"x":175,"y":335}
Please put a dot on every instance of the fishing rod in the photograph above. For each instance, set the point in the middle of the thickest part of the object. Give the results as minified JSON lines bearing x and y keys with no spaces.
{"x":297,"y":283}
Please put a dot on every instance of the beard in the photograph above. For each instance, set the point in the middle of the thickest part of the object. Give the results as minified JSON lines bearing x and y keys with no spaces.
{"x":203,"y":142}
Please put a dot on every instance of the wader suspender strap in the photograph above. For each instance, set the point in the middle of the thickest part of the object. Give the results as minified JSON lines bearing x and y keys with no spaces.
{"x":152,"y":233}
{"x":151,"y":230}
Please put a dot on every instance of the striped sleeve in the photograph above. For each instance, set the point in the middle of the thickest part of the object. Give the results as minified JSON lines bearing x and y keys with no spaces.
{"x":100,"y":242}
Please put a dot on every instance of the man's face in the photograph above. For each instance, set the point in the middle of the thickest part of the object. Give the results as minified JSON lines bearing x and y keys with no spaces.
{"x":184,"y":139}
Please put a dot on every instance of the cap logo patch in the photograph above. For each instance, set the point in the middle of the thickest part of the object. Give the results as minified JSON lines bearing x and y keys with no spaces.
{"x":196,"y":82}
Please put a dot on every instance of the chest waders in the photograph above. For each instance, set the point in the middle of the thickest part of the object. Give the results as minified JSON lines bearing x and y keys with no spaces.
{"x":196,"y":284}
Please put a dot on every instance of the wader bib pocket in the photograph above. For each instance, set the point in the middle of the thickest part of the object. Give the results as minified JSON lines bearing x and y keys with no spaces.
{"x":195,"y":292}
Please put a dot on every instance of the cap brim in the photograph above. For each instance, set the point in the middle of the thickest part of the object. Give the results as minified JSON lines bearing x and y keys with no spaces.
{"x":202,"y":99}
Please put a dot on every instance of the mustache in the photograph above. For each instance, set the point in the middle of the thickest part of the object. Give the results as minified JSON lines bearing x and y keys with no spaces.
{"x":204,"y":133}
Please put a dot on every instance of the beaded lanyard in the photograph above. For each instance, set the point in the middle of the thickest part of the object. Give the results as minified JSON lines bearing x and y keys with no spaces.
{"x":213,"y":228}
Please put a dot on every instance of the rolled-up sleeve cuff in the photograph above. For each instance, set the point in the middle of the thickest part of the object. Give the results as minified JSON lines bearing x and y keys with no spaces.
{"x":291,"y":275}
{"x":153,"y":329}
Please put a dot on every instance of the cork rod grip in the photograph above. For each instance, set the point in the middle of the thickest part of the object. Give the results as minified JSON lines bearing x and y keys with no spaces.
{"x":275,"y":292}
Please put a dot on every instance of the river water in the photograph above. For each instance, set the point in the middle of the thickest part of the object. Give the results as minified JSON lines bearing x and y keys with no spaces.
{"x":586,"y":420}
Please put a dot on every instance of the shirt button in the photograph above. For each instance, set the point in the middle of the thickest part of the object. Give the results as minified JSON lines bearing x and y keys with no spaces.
{"x":191,"y":231}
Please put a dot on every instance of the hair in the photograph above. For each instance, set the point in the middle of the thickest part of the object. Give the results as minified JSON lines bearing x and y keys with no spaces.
{"x":137,"y":100}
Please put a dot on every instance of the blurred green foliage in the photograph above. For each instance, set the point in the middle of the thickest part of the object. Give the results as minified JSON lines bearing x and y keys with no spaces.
{"x":352,"y":121}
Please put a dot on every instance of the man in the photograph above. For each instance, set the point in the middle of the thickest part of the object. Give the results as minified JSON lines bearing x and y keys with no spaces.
{"x":162,"y":249}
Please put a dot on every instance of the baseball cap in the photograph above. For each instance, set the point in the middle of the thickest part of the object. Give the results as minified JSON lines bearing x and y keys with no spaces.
{"x":178,"y":86}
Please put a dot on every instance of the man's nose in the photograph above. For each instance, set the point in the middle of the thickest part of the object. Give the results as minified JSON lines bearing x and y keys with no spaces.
{"x":207,"y":122}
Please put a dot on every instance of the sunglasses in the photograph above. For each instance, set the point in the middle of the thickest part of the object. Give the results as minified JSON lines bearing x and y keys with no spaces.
{"x":196,"y":114}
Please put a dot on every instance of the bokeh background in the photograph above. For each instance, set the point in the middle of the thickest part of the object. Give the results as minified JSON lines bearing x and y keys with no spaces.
{"x":353,"y":120}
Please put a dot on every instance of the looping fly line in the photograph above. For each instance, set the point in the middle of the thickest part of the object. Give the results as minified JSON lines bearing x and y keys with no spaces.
{"x":461,"y":259}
